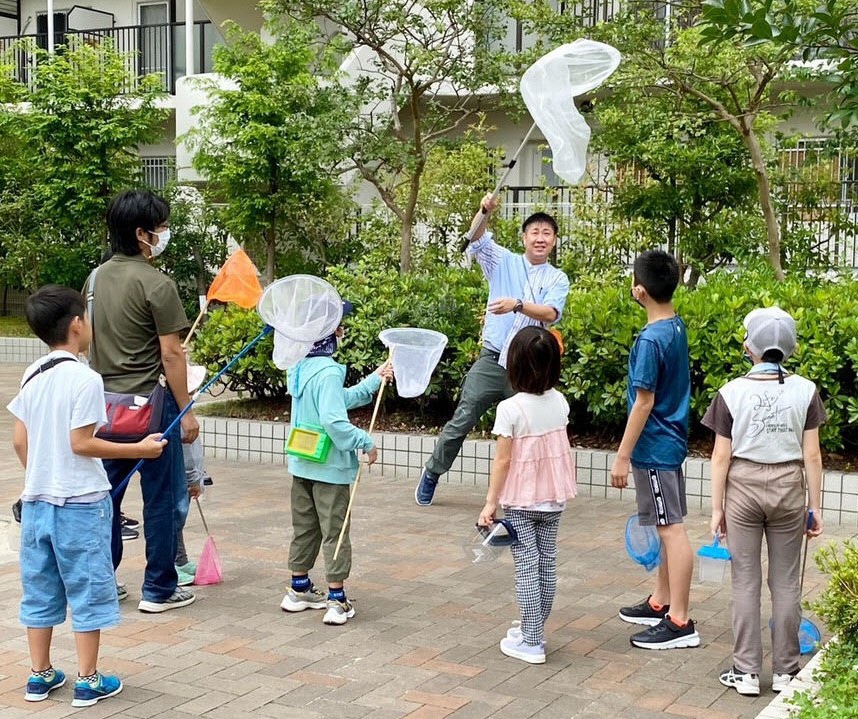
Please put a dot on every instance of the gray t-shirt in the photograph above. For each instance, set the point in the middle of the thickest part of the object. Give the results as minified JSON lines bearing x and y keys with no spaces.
{"x":765,"y":420}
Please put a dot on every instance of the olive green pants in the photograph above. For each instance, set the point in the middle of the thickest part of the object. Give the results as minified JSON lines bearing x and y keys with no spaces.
{"x":318,"y":513}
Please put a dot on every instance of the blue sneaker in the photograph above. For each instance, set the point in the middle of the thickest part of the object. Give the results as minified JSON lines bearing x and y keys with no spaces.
{"x":426,"y":488}
{"x":86,"y":693}
{"x":39,"y":686}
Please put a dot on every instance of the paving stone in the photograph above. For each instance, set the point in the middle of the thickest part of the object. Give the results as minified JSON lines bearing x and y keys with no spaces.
{"x":425,"y":639}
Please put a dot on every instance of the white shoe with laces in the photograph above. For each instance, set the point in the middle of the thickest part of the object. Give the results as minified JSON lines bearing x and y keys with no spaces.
{"x":781,"y":682}
{"x":520,"y":650}
{"x":747,"y":685}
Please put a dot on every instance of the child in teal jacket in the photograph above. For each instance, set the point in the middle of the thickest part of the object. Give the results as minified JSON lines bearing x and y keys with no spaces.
{"x":320,"y":490}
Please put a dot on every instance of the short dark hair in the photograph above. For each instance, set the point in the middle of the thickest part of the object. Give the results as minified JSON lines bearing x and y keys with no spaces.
{"x":50,"y":310}
{"x":539,"y":217}
{"x":773,"y":355}
{"x":658,"y":272}
{"x":533,"y":361}
{"x":128,"y":211}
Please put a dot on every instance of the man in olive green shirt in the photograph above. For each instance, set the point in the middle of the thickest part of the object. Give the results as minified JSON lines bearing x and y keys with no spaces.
{"x":137,"y":321}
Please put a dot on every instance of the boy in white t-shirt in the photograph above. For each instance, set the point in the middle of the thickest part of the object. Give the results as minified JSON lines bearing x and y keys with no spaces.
{"x":766,"y":481}
{"x":67,"y":512}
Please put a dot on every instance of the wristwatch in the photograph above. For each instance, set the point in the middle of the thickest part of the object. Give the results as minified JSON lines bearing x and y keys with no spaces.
{"x":518,"y":307}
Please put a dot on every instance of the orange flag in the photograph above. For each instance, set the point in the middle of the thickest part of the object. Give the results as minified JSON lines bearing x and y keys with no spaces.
{"x":236,"y":282}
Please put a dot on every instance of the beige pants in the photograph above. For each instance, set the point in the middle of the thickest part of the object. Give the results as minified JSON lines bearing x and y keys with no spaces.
{"x":765,"y":499}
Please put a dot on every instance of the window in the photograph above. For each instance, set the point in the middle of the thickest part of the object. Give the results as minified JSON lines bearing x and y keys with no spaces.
{"x":60,"y":27}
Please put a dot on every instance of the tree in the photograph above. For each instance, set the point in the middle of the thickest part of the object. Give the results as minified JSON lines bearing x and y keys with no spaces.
{"x":65,"y":154}
{"x":680,"y":169}
{"x":269,"y":145}
{"x":828,"y":31}
{"x":422,"y":73}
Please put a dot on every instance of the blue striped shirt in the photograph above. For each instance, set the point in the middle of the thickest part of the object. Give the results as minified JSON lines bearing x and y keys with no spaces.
{"x":511,"y":275}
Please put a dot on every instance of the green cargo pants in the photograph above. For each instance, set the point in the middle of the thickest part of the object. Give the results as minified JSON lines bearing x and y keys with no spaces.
{"x":318,"y":513}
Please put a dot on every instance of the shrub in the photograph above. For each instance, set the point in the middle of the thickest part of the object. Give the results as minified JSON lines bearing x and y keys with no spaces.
{"x":837,"y":606}
{"x":598,"y":327}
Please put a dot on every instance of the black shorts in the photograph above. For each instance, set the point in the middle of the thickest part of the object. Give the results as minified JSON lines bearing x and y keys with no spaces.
{"x":660,"y":495}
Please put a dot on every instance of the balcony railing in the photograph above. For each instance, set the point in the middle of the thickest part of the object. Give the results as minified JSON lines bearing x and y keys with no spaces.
{"x":149,"y":49}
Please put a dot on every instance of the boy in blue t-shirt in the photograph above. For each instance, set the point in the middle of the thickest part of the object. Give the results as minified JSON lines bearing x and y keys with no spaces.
{"x":655,"y":443}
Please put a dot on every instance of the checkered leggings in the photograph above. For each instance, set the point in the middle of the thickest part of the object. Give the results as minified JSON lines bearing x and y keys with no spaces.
{"x":535,"y":558}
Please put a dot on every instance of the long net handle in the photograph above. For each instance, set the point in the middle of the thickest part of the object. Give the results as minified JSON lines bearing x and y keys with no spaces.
{"x":466,"y":240}
{"x":353,"y":491}
{"x":194,"y":326}
{"x":202,"y":516}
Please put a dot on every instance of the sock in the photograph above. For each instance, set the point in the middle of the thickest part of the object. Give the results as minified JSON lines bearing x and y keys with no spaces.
{"x":677,"y":624}
{"x":338,"y":595}
{"x":45,"y":673}
{"x":301,"y":582}
{"x":655,"y":607}
{"x":91,"y":678}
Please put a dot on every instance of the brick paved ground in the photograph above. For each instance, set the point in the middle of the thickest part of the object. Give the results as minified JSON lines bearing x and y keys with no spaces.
{"x":424,"y":642}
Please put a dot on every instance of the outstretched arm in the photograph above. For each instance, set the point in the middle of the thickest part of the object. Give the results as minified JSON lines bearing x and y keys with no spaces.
{"x":488,"y":205}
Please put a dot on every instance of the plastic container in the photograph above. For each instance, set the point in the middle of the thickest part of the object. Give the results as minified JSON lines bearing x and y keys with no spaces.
{"x":486,"y":545}
{"x":415,"y":353}
{"x":643,"y":544}
{"x":714,"y":561}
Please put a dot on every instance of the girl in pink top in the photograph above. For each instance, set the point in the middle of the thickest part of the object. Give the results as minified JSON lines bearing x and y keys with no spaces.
{"x":532,"y":476}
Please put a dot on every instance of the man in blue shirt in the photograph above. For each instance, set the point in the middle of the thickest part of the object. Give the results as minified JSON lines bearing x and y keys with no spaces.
{"x":655,"y":442}
{"x":523,"y":290}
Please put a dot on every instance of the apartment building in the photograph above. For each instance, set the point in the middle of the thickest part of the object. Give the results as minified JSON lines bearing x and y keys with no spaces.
{"x":176,"y":39}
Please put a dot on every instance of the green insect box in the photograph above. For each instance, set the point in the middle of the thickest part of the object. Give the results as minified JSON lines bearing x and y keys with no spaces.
{"x":308,"y":442}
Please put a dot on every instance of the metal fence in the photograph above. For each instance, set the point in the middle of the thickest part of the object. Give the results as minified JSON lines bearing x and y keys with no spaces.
{"x":157,"y":172}
{"x":827,"y":229}
{"x":158,"y":49}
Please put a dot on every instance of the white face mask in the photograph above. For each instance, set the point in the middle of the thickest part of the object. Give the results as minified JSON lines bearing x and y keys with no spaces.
{"x":161,"y":245}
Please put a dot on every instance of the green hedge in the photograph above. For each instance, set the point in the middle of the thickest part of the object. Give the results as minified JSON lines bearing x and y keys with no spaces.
{"x":598,"y":327}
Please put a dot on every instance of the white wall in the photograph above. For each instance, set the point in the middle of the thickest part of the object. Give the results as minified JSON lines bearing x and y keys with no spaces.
{"x":8,"y":26}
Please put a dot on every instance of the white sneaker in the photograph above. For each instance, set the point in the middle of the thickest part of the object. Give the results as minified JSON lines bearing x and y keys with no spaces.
{"x":781,"y":682}
{"x":299,"y":601}
{"x":520,"y":650}
{"x":338,"y":612}
{"x":747,"y":685}
{"x":514,"y":632}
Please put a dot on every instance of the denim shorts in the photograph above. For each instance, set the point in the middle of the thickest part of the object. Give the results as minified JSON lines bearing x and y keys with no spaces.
{"x":65,"y":561}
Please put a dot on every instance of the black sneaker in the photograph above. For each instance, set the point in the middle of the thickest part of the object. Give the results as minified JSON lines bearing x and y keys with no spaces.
{"x":666,"y":635}
{"x":426,"y":488}
{"x":179,"y":598}
{"x":128,"y":534}
{"x":643,"y":613}
{"x":128,"y":522}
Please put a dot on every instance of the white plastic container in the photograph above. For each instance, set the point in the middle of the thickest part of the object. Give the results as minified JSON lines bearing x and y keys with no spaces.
{"x":713,"y":562}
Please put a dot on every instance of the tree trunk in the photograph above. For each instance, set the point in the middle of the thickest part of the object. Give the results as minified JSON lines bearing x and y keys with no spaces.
{"x":270,"y":254}
{"x":765,"y":191}
{"x":407,"y":233}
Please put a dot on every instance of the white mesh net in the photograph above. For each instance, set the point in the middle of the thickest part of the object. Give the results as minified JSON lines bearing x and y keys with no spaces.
{"x":302,"y":309}
{"x":548,"y":88}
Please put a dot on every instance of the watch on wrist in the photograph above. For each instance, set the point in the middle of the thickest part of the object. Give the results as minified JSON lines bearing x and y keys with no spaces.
{"x":518,"y":307}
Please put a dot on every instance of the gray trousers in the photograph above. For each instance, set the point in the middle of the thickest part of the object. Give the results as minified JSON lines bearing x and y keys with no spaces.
{"x":765,"y":499}
{"x":485,"y":385}
{"x":318,"y":513}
